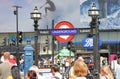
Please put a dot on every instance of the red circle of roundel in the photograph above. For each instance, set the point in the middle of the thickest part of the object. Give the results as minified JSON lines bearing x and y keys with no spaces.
{"x":59,"y":37}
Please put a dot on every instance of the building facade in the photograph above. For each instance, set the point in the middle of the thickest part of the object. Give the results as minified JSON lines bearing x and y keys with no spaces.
{"x":110,"y":42}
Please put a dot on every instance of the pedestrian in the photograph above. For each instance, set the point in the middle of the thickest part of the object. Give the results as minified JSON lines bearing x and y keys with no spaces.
{"x":31,"y":74}
{"x":71,"y":74}
{"x":5,"y":67}
{"x":57,"y":60}
{"x":21,"y":63}
{"x":35,"y":68}
{"x":68,"y":62}
{"x":105,"y":72}
{"x":55,"y":72}
{"x":80,"y":69}
{"x":12,"y":60}
{"x":47,"y":61}
{"x":105,"y":61}
{"x":115,"y":66}
{"x":15,"y":73}
{"x":2,"y":58}
{"x":101,"y":61}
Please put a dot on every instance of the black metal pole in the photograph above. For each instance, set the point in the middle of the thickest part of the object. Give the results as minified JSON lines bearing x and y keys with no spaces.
{"x":53,"y":38}
{"x":36,"y":42}
{"x":36,"y":15}
{"x":48,"y":42}
{"x":17,"y":50}
{"x":96,"y":53}
{"x":58,"y":46}
{"x":70,"y":48}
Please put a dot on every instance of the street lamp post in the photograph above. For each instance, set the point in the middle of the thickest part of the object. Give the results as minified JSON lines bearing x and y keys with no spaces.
{"x":17,"y":50}
{"x":36,"y":15}
{"x":94,"y":13}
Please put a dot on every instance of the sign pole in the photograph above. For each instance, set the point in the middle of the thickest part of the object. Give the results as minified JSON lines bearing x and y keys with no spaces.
{"x":53,"y":38}
{"x":48,"y":42}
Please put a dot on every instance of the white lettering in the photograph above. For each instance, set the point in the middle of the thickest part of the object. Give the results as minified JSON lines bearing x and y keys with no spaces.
{"x":89,"y":42}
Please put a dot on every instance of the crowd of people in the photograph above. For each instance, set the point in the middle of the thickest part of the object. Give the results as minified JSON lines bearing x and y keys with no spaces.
{"x":75,"y":68}
{"x":8,"y":67}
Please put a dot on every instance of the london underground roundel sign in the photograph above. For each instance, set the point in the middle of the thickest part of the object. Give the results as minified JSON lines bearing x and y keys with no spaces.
{"x":64,"y":25}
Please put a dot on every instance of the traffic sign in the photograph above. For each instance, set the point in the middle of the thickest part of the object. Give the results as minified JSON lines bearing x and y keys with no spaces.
{"x":64,"y":25}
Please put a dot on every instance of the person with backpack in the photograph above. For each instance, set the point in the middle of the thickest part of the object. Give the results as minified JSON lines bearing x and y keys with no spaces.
{"x":15,"y":74}
{"x":5,"y":67}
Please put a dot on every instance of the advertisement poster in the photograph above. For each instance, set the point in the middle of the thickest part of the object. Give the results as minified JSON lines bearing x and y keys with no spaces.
{"x":109,"y":13}
{"x":112,"y":57}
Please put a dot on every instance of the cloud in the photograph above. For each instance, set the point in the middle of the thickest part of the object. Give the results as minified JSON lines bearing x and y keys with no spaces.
{"x":5,"y":3}
{"x":65,"y":10}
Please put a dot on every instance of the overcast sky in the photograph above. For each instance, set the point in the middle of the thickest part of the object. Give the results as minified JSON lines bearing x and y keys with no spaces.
{"x":66,"y":10}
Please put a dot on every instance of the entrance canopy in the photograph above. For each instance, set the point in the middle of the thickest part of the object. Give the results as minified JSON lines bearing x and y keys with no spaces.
{"x":65,"y":52}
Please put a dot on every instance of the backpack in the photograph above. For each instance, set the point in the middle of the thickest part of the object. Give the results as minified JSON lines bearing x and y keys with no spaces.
{"x":15,"y":72}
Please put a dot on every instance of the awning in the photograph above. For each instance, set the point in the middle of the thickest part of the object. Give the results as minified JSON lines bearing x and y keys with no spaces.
{"x":66,"y":52}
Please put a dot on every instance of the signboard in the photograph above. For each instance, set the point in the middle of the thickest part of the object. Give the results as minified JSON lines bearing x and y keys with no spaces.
{"x":46,"y":72}
{"x":64,"y":25}
{"x":64,"y":31}
{"x":112,"y":56}
{"x":44,"y":31}
{"x":84,"y":30}
{"x":88,"y":43}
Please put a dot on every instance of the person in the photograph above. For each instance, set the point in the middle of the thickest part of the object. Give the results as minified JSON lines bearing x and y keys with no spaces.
{"x":71,"y":74}
{"x":105,"y":61}
{"x":113,"y":63}
{"x":57,"y":60}
{"x":47,"y":61}
{"x":55,"y":72}
{"x":80,"y":69}
{"x":67,"y":63}
{"x":115,"y":66}
{"x":15,"y":73}
{"x":5,"y":67}
{"x":12,"y":60}
{"x":35,"y":68}
{"x":31,"y":74}
{"x":101,"y":61}
{"x":21,"y":63}
{"x":2,"y":58}
{"x":105,"y":72}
